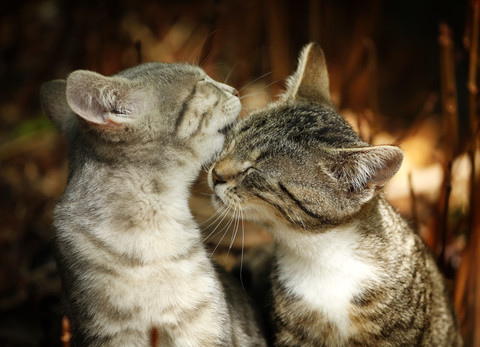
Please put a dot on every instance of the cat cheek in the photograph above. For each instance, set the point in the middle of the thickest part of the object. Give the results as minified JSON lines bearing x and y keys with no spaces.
{"x":233,"y":104}
{"x":219,"y":197}
{"x":217,"y":203}
{"x":209,"y":147}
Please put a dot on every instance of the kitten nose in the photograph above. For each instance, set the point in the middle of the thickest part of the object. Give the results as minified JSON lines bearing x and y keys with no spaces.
{"x":216,"y":178}
{"x":235,"y":92}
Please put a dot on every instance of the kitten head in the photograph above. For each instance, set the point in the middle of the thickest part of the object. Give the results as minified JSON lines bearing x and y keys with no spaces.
{"x":298,"y":162}
{"x":157,"y":106}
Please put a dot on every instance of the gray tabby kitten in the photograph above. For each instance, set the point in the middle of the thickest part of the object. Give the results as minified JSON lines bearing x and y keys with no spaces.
{"x":348,"y":270}
{"x":129,"y":251}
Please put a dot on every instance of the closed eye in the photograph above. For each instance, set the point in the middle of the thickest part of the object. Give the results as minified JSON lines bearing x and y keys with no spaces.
{"x":120,"y":112}
{"x":262,"y":156}
{"x":247,"y":171}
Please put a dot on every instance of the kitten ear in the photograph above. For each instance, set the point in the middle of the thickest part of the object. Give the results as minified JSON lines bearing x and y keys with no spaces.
{"x":310,"y":81}
{"x":102,"y":100}
{"x":366,"y":170}
{"x":54,"y":103}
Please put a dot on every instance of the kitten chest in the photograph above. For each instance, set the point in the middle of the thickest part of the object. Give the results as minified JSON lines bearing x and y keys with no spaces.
{"x":326,"y":271}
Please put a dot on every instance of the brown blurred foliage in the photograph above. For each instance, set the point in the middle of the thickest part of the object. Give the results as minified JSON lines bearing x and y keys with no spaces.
{"x":401,"y":72}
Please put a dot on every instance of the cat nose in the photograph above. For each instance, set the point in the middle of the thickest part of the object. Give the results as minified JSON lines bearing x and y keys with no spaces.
{"x":235,"y":92}
{"x":217,"y":179}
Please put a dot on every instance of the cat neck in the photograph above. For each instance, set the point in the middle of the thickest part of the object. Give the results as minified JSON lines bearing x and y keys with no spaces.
{"x":327,"y":269}
{"x":167,"y":172}
{"x":317,"y":248}
{"x":173,"y":162}
{"x":348,"y":232}
{"x":132,"y":207}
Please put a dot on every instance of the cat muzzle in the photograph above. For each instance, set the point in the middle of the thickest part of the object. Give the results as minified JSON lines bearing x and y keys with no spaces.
{"x":217,"y":179}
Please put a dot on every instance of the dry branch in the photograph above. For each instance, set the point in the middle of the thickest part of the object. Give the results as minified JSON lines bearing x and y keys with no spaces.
{"x":450,"y":138}
{"x":467,"y":289}
{"x":449,"y":92}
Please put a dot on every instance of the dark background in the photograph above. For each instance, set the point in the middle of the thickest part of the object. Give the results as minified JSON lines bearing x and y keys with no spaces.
{"x":399,"y":73}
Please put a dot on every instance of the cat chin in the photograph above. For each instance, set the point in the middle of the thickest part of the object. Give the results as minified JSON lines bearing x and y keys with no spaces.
{"x":209,"y":150}
{"x":217,"y":202}
{"x":220,"y":205}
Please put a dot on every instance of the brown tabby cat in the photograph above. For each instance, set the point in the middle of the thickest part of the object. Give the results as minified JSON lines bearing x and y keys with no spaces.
{"x":348,"y":270}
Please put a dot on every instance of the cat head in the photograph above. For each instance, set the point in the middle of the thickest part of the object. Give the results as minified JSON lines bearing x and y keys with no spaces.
{"x":297,"y":161}
{"x":154,"y":105}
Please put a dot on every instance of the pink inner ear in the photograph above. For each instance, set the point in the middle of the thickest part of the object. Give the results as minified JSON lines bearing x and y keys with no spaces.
{"x":93,"y":97}
{"x":383,"y":163}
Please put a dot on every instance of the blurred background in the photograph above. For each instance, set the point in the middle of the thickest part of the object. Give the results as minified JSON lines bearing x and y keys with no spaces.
{"x":402,"y":72}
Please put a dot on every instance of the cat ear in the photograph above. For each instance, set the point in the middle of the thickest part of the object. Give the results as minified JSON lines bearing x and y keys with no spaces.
{"x":366,"y":170}
{"x":102,"y":100}
{"x":54,"y":103}
{"x":310,"y":81}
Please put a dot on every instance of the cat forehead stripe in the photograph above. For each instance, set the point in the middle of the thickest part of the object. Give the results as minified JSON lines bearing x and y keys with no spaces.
{"x":184,"y":108}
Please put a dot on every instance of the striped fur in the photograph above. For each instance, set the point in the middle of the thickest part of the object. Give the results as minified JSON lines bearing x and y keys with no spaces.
{"x":129,"y":251}
{"x":347,"y":270}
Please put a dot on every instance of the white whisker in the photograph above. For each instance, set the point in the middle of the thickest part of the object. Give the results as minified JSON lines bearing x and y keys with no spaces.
{"x":235,"y":229}
{"x":230,"y":72}
{"x":272,"y":83}
{"x":208,"y":56}
{"x":243,"y":247}
{"x":225,"y":233}
{"x":224,"y":214}
{"x":249,"y":94}
{"x":216,"y":215}
{"x":253,"y":81}
{"x":199,"y":48}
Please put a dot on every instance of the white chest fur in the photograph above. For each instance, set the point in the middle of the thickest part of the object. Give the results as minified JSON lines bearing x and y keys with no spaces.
{"x":326,"y":270}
